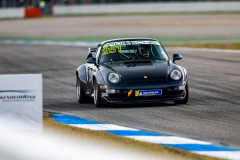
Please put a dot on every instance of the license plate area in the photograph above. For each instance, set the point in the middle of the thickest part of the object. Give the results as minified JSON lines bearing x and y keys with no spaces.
{"x":155,"y":92}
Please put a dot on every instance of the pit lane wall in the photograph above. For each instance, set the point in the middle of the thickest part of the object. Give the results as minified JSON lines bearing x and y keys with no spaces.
{"x":12,"y":13}
{"x":21,"y":102}
{"x":28,"y":12}
{"x":156,"y":7}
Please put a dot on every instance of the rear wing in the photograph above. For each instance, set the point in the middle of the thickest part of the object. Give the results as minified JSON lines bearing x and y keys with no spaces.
{"x":90,"y":50}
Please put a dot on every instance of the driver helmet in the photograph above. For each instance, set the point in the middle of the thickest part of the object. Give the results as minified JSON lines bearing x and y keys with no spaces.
{"x":146,"y":50}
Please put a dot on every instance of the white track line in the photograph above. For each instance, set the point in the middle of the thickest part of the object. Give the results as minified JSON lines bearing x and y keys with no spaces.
{"x":192,"y":145}
{"x":102,"y":127}
{"x":167,"y":140}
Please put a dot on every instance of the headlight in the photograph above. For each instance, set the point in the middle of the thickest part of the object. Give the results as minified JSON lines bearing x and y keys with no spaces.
{"x":175,"y":74}
{"x":113,"y":78}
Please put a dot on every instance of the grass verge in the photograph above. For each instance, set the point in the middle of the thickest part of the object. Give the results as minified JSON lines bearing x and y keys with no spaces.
{"x":164,"y":40}
{"x":107,"y":138}
{"x":235,"y":46}
{"x":192,"y":42}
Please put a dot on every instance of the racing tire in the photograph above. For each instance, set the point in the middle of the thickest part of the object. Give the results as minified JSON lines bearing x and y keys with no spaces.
{"x":185,"y":100}
{"x":81,"y":96}
{"x":97,"y":96}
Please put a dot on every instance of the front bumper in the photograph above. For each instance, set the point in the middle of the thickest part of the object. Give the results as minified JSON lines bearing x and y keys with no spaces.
{"x":122,"y":98}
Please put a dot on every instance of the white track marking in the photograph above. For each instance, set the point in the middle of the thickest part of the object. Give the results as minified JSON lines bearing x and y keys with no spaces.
{"x":102,"y":127}
{"x":167,"y":140}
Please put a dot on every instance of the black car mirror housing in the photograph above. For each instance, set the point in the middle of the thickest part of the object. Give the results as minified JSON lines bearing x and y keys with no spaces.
{"x":90,"y":50}
{"x":89,"y":56}
{"x":91,"y":60}
{"x":176,"y":57}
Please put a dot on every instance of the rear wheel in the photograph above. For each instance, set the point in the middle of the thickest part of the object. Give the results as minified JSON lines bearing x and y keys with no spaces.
{"x":97,"y":96}
{"x":185,"y":100}
{"x":81,"y":96}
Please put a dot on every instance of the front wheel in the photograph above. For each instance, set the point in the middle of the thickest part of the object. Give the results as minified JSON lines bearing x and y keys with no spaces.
{"x":185,"y":100}
{"x":81,"y":96}
{"x":97,"y":96}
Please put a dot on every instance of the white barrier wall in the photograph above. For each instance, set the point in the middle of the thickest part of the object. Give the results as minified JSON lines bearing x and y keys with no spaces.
{"x":21,"y":103}
{"x":147,"y":7}
{"x":12,"y":13}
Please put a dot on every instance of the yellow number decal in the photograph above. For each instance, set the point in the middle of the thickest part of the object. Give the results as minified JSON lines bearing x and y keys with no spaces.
{"x":111,"y":49}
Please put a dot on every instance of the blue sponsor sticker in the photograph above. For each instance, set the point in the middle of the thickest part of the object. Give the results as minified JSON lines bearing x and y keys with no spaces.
{"x":148,"y":92}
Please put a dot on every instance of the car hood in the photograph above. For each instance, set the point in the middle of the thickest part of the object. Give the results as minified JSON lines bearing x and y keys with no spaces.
{"x":140,"y":70}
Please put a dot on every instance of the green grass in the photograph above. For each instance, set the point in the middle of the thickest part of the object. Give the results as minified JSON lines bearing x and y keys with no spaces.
{"x":235,"y":46}
{"x":49,"y":124}
{"x":164,"y":40}
{"x":193,"y":42}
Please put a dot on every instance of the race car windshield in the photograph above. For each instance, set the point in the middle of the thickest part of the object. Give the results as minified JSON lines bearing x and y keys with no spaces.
{"x":132,"y":50}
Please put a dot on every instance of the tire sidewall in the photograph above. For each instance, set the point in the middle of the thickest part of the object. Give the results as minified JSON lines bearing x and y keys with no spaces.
{"x":97,"y":96}
{"x":78,"y":89}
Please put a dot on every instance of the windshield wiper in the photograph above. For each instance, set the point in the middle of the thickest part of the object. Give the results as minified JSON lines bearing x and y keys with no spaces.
{"x":134,"y":51}
{"x":128,"y":49}
{"x":124,"y":55}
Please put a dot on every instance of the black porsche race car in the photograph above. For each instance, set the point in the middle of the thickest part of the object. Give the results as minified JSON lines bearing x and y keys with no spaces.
{"x":131,"y":70}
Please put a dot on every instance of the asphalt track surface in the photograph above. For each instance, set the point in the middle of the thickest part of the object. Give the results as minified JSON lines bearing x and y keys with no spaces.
{"x":212,"y":113}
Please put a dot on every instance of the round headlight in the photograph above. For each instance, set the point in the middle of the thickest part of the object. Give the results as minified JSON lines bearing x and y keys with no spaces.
{"x":175,"y":74}
{"x":113,"y":78}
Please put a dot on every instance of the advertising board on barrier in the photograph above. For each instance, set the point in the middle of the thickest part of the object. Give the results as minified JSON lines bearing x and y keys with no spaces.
{"x":21,"y":101}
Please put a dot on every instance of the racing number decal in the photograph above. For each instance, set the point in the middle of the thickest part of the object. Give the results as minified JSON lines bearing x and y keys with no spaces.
{"x":111,"y":49}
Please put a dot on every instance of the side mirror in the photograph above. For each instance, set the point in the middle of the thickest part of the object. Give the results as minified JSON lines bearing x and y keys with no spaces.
{"x":89,"y":56}
{"x":91,"y":60}
{"x":90,"y":50}
{"x":176,"y":57}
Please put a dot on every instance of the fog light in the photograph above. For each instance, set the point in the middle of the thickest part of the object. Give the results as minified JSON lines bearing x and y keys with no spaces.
{"x":181,"y":87}
{"x":103,"y":86}
{"x":111,"y":90}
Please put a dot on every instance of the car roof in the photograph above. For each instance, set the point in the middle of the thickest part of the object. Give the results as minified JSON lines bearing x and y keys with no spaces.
{"x":128,"y":39}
